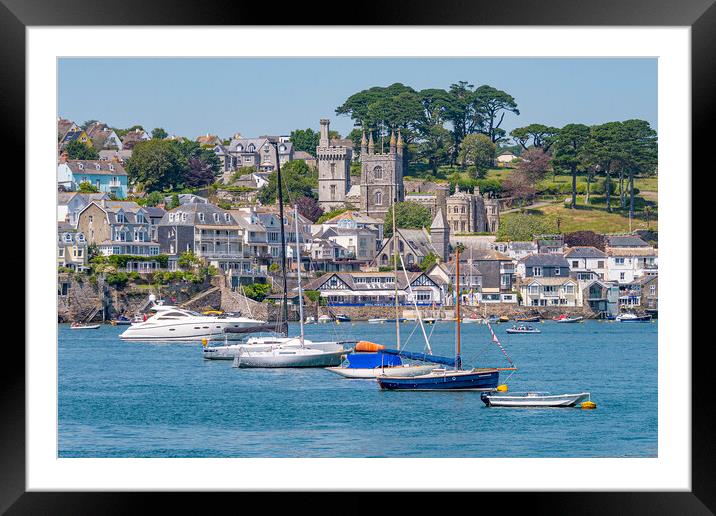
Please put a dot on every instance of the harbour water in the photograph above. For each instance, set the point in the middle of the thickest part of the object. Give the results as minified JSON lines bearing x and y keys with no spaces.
{"x":133,"y":399}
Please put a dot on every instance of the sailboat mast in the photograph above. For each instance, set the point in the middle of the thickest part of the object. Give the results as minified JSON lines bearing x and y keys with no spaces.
{"x":395,"y":274}
{"x":457,"y":305}
{"x":298,"y":270}
{"x":283,"y":235}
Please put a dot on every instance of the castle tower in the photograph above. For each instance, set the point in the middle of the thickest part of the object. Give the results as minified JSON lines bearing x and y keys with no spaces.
{"x":440,"y":236}
{"x":333,"y":170}
{"x":492,"y":209}
{"x":381,"y":179}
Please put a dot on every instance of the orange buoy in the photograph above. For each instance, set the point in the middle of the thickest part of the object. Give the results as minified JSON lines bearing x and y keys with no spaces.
{"x":364,"y":345}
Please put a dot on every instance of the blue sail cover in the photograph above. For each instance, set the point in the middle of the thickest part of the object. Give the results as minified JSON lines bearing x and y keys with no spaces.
{"x":422,"y":356}
{"x":372,"y":360}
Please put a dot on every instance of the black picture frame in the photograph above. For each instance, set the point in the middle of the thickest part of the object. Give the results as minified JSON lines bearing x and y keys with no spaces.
{"x":700,"y":15}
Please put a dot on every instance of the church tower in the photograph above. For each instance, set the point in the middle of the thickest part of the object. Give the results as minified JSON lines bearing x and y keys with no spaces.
{"x":334,"y":175}
{"x":440,"y":235}
{"x":381,"y":176}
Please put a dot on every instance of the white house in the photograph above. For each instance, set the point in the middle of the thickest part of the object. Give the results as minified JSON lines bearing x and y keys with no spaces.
{"x":587,"y":263}
{"x":549,"y":291}
{"x":630,"y":258}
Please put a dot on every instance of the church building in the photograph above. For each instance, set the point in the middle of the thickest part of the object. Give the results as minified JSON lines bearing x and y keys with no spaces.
{"x":334,"y":170}
{"x":381,"y":178}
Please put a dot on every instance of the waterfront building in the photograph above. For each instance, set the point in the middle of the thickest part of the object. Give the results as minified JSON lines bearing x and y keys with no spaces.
{"x":108,"y":176}
{"x":376,"y":289}
{"x":118,"y":227}
{"x":208,"y":231}
{"x":497,"y":273}
{"x":586,"y":262}
{"x":71,"y":247}
{"x":549,"y":291}
{"x":630,"y":258}
{"x":600,"y":296}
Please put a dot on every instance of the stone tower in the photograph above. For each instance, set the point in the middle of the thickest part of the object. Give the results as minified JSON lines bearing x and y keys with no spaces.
{"x":381,"y":176}
{"x":440,"y":235}
{"x":334,"y":176}
{"x":492,"y":210}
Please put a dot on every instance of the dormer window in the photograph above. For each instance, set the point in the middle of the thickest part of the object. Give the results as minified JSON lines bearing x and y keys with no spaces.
{"x":183,"y":217}
{"x":81,"y":166}
{"x":227,"y":217}
{"x":121,"y":218}
{"x":171,"y":217}
{"x":216,"y":217}
{"x":111,"y":167}
{"x":240,"y":148}
{"x":201,"y":217}
{"x":97,"y":166}
{"x":283,"y":148}
{"x":251,"y":148}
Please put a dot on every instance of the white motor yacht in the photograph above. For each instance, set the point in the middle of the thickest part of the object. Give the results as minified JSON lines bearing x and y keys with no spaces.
{"x":173,"y":323}
{"x":229,"y":351}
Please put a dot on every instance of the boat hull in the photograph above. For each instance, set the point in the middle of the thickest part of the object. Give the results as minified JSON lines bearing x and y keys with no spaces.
{"x":89,"y":327}
{"x":230,"y":351}
{"x":288,"y":358}
{"x":209,"y":328}
{"x":518,"y":332}
{"x":485,"y":380}
{"x":366,"y":373}
{"x":561,"y":400}
{"x":644,"y":319}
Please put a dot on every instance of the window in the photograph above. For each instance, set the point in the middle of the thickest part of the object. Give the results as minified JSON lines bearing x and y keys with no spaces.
{"x":462,"y":209}
{"x":378,"y":198}
{"x":600,"y":264}
{"x":90,"y":218}
{"x":121,"y":218}
{"x":61,"y":252}
{"x":621,"y":276}
{"x":378,"y":172}
{"x":575,"y":264}
{"x":652,"y":290}
{"x":619,"y":261}
{"x":534,"y":289}
{"x":568,"y":289}
{"x":201,"y":217}
{"x":227,"y":218}
{"x":536,"y":271}
{"x":557,"y":271}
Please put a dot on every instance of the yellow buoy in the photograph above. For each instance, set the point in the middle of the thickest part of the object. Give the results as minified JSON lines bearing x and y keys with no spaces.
{"x":502,"y":388}
{"x":204,"y":342}
{"x":589,"y":405}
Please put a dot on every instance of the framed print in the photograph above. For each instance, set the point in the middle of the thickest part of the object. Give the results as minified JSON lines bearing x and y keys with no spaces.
{"x":415,"y":253}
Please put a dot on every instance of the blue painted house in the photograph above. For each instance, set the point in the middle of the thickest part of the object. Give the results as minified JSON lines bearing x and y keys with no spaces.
{"x":108,"y":176}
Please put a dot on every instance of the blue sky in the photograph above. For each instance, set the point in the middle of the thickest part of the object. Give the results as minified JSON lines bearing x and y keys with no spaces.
{"x":257,"y":96}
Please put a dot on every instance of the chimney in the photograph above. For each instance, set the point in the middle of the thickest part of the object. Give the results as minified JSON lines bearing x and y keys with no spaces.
{"x":325,"y":124}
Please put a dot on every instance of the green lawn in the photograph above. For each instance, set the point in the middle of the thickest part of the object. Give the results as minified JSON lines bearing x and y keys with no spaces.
{"x":593,"y":218}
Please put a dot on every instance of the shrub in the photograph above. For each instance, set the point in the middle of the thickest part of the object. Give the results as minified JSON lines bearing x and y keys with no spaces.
{"x":117,"y":279}
{"x":257,"y":291}
{"x":312,"y":295}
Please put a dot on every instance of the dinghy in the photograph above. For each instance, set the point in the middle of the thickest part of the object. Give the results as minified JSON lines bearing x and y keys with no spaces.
{"x":80,"y":326}
{"x":567,"y":319}
{"x":629,"y":317}
{"x":522,"y":329}
{"x":533,"y":399}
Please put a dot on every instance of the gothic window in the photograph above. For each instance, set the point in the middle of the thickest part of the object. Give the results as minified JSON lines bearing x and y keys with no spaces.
{"x":462,"y":209}
{"x":378,"y":197}
{"x":378,"y":172}
{"x":333,"y":192}
{"x":462,"y":226}
{"x":455,"y":209}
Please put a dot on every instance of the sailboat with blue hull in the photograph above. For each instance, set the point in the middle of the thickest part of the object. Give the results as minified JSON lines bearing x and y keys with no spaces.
{"x":447,"y":379}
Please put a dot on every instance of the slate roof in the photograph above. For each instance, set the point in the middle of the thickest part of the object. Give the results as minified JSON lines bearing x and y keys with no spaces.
{"x":545,"y":260}
{"x":584,"y":252}
{"x":558,"y":280}
{"x":95,"y":167}
{"x":192,"y":211}
{"x":626,"y":241}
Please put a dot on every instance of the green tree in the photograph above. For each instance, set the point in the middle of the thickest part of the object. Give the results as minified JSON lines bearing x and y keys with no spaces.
{"x":257,"y":291}
{"x":188,"y":260}
{"x":491,"y":107}
{"x":604,"y":151}
{"x":305,"y":140}
{"x":522,"y":226}
{"x":570,"y":151}
{"x":428,"y":261}
{"x":157,"y":165}
{"x":640,"y":152}
{"x":158,"y":133}
{"x":299,"y":180}
{"x":541,"y":136}
{"x":78,"y":150}
{"x":407,"y":215}
{"x":174,"y":202}
{"x":87,"y":187}
{"x":477,"y":150}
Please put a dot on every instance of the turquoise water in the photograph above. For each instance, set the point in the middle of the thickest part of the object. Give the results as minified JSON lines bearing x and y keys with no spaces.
{"x":129,"y":399}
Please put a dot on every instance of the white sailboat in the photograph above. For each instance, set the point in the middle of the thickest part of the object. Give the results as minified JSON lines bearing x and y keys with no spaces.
{"x":285,"y":354}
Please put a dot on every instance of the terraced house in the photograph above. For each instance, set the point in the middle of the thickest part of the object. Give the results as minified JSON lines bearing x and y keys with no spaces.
{"x":119,"y":227}
{"x":206,"y":230}
{"x":546,"y":281}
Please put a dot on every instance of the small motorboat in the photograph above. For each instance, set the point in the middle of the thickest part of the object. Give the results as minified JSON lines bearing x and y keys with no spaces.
{"x":310,"y":320}
{"x":629,"y":317}
{"x":564,"y":318}
{"x":377,"y":320}
{"x":535,"y":318}
{"x":324,"y":319}
{"x":473,"y":320}
{"x":429,"y":320}
{"x":342,"y":318}
{"x":533,"y":399}
{"x":81,"y":326}
{"x":522,"y":328}
{"x":504,"y":318}
{"x":121,"y":321}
